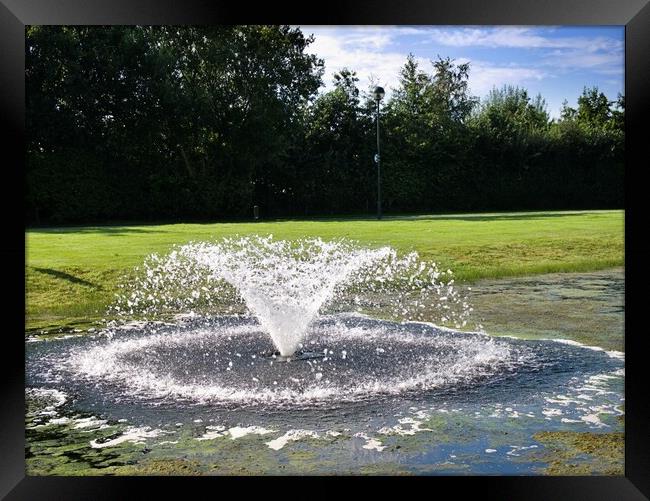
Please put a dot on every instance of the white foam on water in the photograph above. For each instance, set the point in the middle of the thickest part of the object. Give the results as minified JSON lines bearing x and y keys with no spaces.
{"x":238,"y":432}
{"x":133,"y":435}
{"x":54,"y":399}
{"x":588,"y":398}
{"x":61,"y":420}
{"x":440,"y":327}
{"x":57,"y":397}
{"x":210,"y":435}
{"x":89,"y":422}
{"x":212,"y":432}
{"x":291,"y":436}
{"x":593,"y":419}
{"x":562,"y":400}
{"x":619,"y":355}
{"x":549,"y":412}
{"x":371,"y":443}
{"x":415,"y":427}
{"x":515,"y":449}
{"x":375,"y":444}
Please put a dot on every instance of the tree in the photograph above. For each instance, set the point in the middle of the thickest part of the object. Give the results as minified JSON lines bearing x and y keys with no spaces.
{"x":408,"y":135}
{"x":336,"y":172}
{"x":617,"y":121}
{"x":510,"y":130}
{"x":593,"y":108}
{"x":167,"y":120}
{"x":450,"y":91}
{"x":426,"y":137}
{"x":588,"y":148}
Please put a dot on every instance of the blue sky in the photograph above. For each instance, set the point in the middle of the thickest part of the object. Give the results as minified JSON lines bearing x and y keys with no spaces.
{"x":554,"y":61}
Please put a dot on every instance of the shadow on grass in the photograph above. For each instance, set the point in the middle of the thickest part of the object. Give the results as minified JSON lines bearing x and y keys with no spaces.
{"x":98,"y":230}
{"x":449,"y":217}
{"x":66,"y":276}
{"x":496,"y":217}
{"x":150,"y":227}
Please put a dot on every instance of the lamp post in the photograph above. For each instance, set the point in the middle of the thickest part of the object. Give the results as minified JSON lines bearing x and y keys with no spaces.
{"x":378,"y":94}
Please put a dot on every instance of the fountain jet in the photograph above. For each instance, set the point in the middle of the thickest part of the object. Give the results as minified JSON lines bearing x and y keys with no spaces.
{"x":285,"y":284}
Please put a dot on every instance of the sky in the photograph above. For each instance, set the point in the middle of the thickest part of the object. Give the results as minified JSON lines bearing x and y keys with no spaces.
{"x":557,"y":62}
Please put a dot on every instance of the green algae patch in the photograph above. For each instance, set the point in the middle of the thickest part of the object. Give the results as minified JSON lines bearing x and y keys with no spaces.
{"x":163,"y":467}
{"x":582,"y":453}
{"x":63,"y":450}
{"x":587,"y":307}
{"x":456,"y":467}
{"x":391,"y":469}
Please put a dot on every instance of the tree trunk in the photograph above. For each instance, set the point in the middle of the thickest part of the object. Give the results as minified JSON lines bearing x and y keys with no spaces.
{"x":188,"y":166}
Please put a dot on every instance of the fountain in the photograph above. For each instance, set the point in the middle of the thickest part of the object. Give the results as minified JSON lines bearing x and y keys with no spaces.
{"x":285,"y":284}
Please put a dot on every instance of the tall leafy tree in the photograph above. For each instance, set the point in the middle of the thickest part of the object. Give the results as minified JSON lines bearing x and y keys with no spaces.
{"x":426,"y":134}
{"x":588,"y":144}
{"x":167,"y":120}
{"x":510,"y":128}
{"x":337,"y":173}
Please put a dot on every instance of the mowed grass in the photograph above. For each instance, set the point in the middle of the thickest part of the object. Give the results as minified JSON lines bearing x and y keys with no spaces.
{"x":72,"y":273}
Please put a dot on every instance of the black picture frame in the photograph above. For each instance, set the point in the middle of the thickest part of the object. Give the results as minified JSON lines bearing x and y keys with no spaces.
{"x":15,"y":14}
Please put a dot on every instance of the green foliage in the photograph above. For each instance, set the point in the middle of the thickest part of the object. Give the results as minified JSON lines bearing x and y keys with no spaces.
{"x":151,"y":123}
{"x":173,"y":121}
{"x":574,"y":162}
{"x":332,"y":166}
{"x":588,"y":150}
{"x":426,"y":138}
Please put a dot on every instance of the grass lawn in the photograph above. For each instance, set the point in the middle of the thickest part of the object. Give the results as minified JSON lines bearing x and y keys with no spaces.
{"x":72,"y":273}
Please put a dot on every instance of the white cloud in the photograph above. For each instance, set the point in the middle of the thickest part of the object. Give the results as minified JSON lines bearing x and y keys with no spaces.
{"x":484,"y":76}
{"x":475,"y":37}
{"x":600,"y":54}
{"x":518,"y":37}
{"x":601,"y":62}
{"x":341,"y":50}
{"x":367,"y":37}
